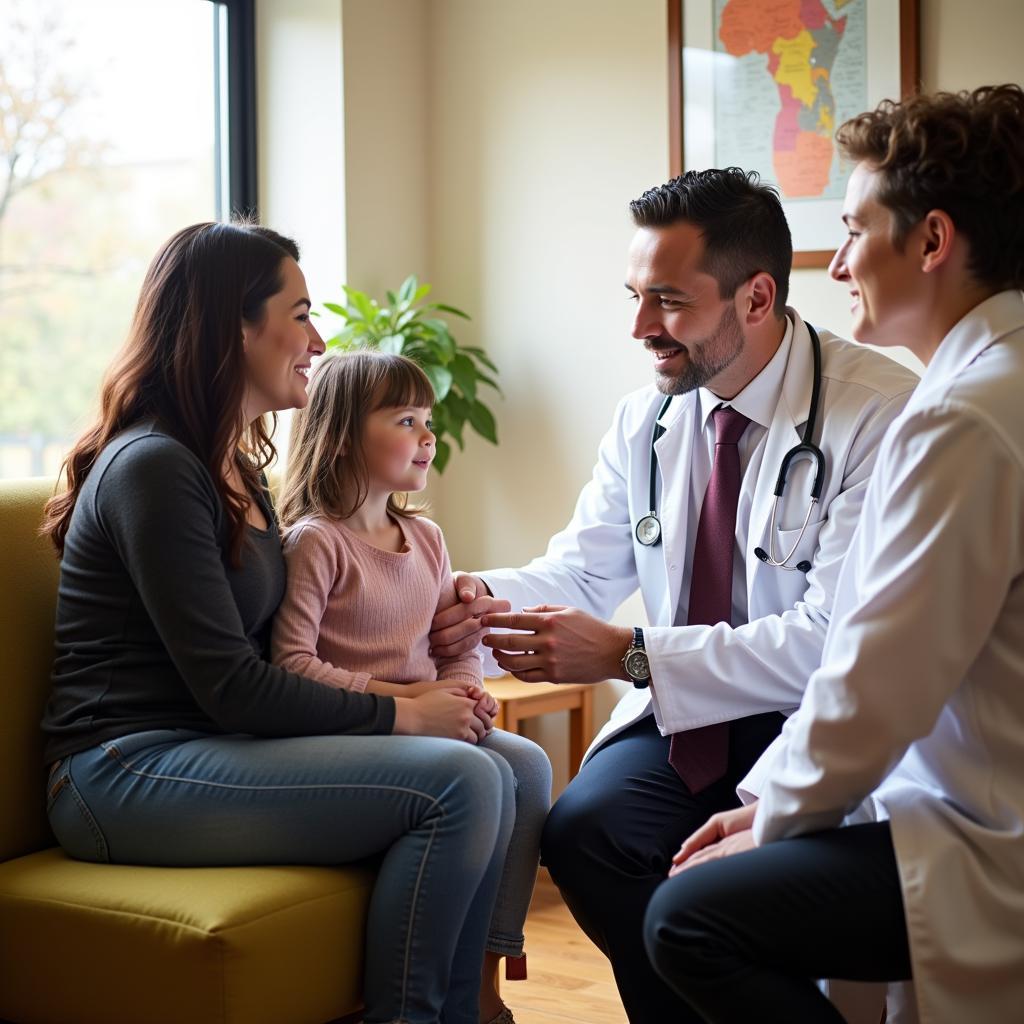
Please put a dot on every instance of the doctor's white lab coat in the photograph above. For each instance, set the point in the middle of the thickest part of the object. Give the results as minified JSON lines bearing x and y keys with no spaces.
{"x":920,"y":697}
{"x":706,"y":674}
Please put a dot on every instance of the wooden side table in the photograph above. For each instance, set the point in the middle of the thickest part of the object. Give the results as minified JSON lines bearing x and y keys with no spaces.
{"x":527,"y":700}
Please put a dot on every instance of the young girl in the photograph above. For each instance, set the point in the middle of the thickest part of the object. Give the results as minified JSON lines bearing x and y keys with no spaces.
{"x":366,"y":574}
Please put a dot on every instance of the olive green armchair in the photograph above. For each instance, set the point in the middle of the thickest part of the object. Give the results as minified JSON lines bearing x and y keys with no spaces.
{"x":110,"y":944}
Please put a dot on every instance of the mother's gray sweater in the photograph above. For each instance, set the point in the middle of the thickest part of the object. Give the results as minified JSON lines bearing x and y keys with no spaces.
{"x":156,"y":630}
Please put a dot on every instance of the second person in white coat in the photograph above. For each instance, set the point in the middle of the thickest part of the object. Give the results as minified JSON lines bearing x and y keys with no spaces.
{"x":918,"y":706}
{"x":708,"y":271}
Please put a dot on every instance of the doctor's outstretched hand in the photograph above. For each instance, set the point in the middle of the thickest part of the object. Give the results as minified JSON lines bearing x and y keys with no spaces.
{"x":559,"y":645}
{"x":721,"y":835}
{"x":456,"y":630}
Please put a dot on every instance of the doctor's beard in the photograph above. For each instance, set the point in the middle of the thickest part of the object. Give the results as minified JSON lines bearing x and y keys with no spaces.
{"x":707,"y":358}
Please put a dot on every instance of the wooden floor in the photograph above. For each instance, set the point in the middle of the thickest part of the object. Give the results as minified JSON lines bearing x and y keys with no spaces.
{"x":569,"y":980}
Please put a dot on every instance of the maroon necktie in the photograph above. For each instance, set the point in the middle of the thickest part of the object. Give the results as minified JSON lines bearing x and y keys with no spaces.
{"x":701,"y":756}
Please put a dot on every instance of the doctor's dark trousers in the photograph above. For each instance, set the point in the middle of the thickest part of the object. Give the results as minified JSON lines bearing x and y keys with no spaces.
{"x":742,"y":938}
{"x":610,"y":838}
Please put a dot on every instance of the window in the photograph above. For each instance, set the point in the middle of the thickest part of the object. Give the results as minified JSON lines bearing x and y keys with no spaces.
{"x":120,"y":122}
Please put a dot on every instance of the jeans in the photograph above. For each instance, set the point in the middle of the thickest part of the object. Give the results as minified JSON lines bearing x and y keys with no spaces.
{"x":531,"y":771}
{"x":609,"y":841}
{"x":744,"y":937}
{"x":438,"y":812}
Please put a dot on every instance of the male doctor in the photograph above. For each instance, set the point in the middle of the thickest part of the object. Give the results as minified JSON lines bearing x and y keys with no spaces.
{"x":733,"y":637}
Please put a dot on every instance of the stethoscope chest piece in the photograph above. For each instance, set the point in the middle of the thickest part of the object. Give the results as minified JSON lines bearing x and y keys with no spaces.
{"x":648,"y":530}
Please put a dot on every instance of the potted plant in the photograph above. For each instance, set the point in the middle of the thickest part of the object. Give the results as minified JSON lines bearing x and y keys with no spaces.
{"x":408,"y":326}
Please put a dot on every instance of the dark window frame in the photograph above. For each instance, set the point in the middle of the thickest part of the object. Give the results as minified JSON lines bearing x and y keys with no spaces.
{"x":243,"y":184}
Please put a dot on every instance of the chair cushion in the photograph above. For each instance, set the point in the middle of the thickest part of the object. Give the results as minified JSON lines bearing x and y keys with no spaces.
{"x":111,"y":944}
{"x":28,"y":598}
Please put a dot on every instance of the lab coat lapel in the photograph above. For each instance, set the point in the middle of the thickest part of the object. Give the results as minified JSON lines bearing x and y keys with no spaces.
{"x":675,"y":456}
{"x":783,"y":433}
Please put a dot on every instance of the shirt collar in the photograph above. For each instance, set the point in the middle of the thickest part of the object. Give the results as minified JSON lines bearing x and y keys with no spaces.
{"x":759,"y":399}
{"x":970,"y":336}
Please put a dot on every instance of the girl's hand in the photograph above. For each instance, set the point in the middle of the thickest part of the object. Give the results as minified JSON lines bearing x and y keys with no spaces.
{"x":721,"y":835}
{"x":486,"y":706}
{"x":450,"y":715}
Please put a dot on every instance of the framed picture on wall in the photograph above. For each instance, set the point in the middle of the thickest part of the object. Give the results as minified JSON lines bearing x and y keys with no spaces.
{"x":764,"y":85}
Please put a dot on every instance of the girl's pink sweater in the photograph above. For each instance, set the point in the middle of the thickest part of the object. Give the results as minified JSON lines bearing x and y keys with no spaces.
{"x":353,"y":612}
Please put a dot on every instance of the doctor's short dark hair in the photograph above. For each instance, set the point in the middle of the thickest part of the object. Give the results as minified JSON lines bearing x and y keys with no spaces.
{"x":962,"y":153}
{"x":741,"y":220}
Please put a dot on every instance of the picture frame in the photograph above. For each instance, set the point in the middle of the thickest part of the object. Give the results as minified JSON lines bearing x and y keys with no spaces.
{"x":721,"y":114}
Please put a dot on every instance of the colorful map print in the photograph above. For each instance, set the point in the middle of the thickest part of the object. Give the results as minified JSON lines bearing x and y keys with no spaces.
{"x":787,"y":73}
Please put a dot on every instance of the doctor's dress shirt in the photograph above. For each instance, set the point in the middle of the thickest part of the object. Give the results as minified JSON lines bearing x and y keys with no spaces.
{"x":757,"y":401}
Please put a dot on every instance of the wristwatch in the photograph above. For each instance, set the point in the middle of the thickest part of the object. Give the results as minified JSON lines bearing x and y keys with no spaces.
{"x":635,"y":662}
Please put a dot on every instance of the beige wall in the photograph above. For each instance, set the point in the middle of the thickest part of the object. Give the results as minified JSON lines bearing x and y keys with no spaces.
{"x":387,"y":128}
{"x":492,"y":148}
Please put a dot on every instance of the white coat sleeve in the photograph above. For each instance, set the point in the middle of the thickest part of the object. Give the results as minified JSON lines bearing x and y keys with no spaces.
{"x":933,"y":561}
{"x":706,"y":674}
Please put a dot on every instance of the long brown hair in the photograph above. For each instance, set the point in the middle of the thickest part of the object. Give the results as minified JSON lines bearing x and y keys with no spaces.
{"x":183,"y":364}
{"x":326,"y":455}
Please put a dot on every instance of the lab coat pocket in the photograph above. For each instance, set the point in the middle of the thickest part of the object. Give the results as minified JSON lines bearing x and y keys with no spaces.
{"x":792,"y":548}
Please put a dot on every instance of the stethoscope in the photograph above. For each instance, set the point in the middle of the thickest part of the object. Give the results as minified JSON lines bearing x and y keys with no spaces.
{"x":648,"y":529}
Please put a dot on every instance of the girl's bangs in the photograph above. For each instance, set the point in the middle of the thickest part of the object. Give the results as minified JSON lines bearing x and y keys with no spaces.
{"x":403,"y":384}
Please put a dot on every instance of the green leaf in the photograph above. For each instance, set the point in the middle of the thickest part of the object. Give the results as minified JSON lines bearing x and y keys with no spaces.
{"x":357,"y":336}
{"x":392,"y":344}
{"x":480,"y":355}
{"x":408,"y":289}
{"x":439,"y":416}
{"x":440,"y":378}
{"x":465,"y":373}
{"x":336,"y":309}
{"x":424,"y":289}
{"x":484,"y":379}
{"x":448,"y":309}
{"x":392,"y":301}
{"x":450,"y":419}
{"x":457,"y":406}
{"x":442,"y":453}
{"x":482,"y":420}
{"x":361,"y":303}
{"x":439,"y":340}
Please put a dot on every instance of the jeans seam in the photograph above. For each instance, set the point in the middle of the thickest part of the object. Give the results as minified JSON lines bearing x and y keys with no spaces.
{"x":412,"y":920}
{"x":93,"y":826}
{"x":229,"y":785}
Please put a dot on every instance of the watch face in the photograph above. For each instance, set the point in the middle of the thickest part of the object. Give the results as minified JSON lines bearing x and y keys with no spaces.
{"x":648,"y":530}
{"x":637,"y":664}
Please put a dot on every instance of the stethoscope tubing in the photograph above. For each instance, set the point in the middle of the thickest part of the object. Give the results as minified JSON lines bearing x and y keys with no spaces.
{"x":648,"y":528}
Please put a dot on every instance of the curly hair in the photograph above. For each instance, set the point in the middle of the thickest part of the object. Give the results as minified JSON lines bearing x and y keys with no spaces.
{"x":962,"y":153}
{"x":740,"y":219}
